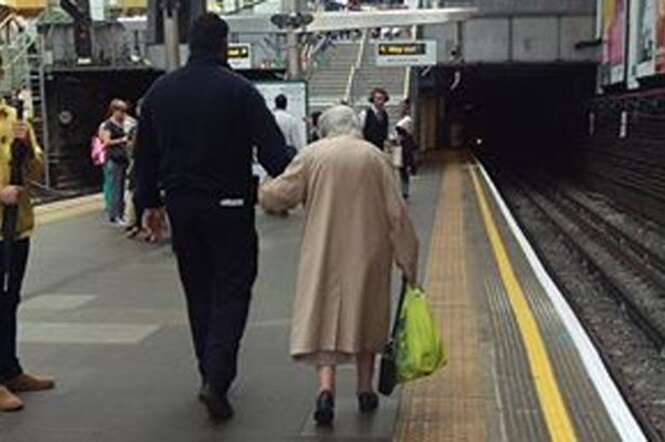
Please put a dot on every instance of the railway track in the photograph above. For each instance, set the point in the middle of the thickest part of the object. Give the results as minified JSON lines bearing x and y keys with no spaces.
{"x":621,"y":363}
{"x":630,"y":272}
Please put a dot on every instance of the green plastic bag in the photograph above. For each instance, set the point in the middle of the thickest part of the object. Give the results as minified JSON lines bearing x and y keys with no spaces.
{"x":420,"y":350}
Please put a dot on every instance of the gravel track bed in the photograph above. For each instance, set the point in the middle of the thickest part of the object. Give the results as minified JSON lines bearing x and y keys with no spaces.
{"x":645,"y":232}
{"x":633,"y":359}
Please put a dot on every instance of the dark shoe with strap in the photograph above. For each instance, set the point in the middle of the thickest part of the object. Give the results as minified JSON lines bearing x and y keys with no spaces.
{"x":325,"y":408}
{"x":368,"y":402}
{"x":219,"y":407}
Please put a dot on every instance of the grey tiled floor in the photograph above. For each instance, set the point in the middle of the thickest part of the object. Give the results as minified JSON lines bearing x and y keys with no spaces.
{"x":106,"y":316}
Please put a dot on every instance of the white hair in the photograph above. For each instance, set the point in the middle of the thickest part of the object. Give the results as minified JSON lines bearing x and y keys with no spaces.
{"x":337,"y":121}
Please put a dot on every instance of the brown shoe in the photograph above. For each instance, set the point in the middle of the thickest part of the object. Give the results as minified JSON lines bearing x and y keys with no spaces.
{"x":9,"y":401}
{"x":26,"y":382}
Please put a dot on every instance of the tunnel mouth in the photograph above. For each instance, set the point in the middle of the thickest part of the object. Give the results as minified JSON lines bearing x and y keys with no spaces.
{"x":526,"y":116}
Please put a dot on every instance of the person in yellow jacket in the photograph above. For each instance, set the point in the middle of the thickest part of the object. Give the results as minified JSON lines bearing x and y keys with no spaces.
{"x":13,"y":379}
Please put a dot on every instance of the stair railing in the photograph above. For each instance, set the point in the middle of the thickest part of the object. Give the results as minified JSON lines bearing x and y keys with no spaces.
{"x":409,"y":70}
{"x":353,"y":72}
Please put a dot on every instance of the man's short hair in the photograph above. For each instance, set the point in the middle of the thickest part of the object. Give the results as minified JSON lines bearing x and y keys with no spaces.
{"x":381,"y":91}
{"x":281,"y":102}
{"x":207,"y":34}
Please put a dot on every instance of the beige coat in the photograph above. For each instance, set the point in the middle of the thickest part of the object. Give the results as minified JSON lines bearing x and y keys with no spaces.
{"x":356,"y":223}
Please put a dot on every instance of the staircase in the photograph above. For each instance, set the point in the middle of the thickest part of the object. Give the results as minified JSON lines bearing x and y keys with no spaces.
{"x":328,"y":83}
{"x":24,"y":73}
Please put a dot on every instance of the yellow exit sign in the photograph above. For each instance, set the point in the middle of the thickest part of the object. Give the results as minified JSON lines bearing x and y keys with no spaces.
{"x":406,"y":53}
{"x":239,"y":55}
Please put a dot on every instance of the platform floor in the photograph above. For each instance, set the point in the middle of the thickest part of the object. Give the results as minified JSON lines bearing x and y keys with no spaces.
{"x":106,"y":316}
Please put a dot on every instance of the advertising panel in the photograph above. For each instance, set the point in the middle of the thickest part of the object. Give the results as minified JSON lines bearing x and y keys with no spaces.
{"x":614,"y":40}
{"x":645,"y":49}
{"x":642,"y":49}
{"x":660,"y":36}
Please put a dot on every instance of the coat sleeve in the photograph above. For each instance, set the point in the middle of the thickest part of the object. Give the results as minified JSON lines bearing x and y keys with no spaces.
{"x":265,"y":134}
{"x":35,"y":163}
{"x":402,"y":233}
{"x":286,"y":191}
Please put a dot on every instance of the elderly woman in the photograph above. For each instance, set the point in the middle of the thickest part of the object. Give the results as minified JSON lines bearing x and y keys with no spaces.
{"x":356,"y":223}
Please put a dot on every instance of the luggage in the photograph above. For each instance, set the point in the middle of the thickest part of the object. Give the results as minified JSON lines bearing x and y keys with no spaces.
{"x":420,"y":350}
{"x":415,"y":348}
{"x":388,"y":371}
{"x":97,"y":152}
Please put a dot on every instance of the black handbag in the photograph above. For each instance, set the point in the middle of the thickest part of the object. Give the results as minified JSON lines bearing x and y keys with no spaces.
{"x":118,"y":154}
{"x":388,"y":372}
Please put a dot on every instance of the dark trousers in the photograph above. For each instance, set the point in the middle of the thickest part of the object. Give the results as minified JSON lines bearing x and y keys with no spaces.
{"x":405,"y":179}
{"x":9,"y":301}
{"x":118,"y":176}
{"x":139,"y":210}
{"x":216,"y":249}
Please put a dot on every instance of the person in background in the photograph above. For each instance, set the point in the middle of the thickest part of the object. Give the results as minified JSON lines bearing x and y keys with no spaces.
{"x":200,"y":155}
{"x":134,"y":207}
{"x":288,"y":124}
{"x":356,"y":224}
{"x":13,"y":380}
{"x":107,"y":180}
{"x":404,"y":130}
{"x":314,"y":127}
{"x":115,"y":138}
{"x":375,"y":121}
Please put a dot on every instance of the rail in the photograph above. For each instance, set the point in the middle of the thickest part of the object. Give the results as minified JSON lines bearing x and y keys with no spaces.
{"x":634,"y":313}
{"x":348,"y":94}
{"x":409,"y":70}
{"x":613,"y":246}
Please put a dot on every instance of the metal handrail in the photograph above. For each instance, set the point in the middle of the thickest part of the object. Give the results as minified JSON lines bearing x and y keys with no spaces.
{"x":4,"y":23}
{"x":348,"y":95}
{"x":409,"y":70}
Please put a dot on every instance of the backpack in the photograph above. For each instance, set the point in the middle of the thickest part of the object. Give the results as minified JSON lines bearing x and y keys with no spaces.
{"x":97,"y":151}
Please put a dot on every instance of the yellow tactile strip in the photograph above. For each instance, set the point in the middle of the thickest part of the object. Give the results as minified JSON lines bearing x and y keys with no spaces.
{"x":554,"y":409}
{"x":456,"y":403}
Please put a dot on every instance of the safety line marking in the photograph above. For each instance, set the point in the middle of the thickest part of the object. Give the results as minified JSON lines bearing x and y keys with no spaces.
{"x":622,"y":418}
{"x":556,"y":415}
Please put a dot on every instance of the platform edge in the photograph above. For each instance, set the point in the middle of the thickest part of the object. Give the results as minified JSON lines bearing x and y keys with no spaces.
{"x":623,"y":419}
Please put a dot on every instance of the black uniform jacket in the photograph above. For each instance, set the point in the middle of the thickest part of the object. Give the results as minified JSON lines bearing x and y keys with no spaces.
{"x":197,"y":132}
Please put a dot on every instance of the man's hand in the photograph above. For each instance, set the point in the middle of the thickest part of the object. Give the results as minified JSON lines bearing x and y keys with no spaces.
{"x":9,"y":195}
{"x":152,"y":221}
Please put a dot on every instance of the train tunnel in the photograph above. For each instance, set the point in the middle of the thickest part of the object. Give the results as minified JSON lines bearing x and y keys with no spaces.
{"x":524,"y":116}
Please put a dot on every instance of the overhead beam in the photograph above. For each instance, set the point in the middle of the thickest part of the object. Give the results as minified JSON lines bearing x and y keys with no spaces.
{"x":349,"y":20}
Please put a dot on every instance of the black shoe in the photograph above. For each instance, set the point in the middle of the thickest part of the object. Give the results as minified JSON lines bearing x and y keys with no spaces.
{"x":219,"y":407}
{"x":368,"y":402}
{"x":204,"y":391}
{"x":325,"y":408}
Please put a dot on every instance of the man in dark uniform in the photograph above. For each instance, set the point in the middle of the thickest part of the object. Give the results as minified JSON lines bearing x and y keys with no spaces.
{"x":199,"y":126}
{"x":375,"y":119}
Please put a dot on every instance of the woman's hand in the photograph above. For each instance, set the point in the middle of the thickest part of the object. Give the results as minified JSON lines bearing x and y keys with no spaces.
{"x":22,"y":133}
{"x":10,"y":195}
{"x":152,"y":221}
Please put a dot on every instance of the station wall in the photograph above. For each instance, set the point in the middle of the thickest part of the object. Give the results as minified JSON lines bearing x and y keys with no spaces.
{"x":529,"y":6}
{"x":622,"y":153}
{"x":524,"y":38}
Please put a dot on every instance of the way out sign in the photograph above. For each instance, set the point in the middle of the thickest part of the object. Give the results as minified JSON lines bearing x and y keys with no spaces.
{"x":406,"y":53}
{"x":240,"y":56}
